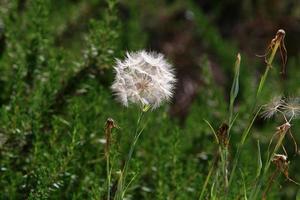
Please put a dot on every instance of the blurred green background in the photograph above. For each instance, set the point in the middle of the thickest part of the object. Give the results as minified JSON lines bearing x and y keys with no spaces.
{"x":56,"y":59}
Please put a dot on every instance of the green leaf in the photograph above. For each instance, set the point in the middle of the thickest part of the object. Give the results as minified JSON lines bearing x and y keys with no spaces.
{"x":244,"y":185}
{"x":212,"y":129}
{"x":298,"y":195}
{"x":235,"y":86}
{"x":259,"y":161}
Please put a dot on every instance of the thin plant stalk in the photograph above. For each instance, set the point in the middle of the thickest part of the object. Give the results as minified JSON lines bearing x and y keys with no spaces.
{"x":275,"y":44}
{"x":277,"y":146}
{"x":225,"y":166}
{"x":108,"y":131}
{"x":266,"y":168}
{"x":108,"y":174}
{"x":136,"y":137}
{"x":204,"y":187}
{"x":122,"y":180}
{"x":269,"y":184}
{"x":221,"y":137}
{"x":240,"y":146}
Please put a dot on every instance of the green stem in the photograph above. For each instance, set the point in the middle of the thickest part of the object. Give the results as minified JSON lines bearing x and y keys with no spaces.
{"x":277,"y":146}
{"x":120,"y":191}
{"x":108,"y":174}
{"x":262,"y":82}
{"x":107,"y":156}
{"x":277,"y":44}
{"x":225,"y":170}
{"x":223,"y":154}
{"x":240,"y":146}
{"x":208,"y":178}
{"x":266,"y":168}
{"x":269,"y":65}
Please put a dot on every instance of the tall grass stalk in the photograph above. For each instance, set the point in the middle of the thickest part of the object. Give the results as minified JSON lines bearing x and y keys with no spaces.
{"x":240,"y":146}
{"x":204,"y":187}
{"x":213,"y":166}
{"x":224,"y":161}
{"x":269,"y":65}
{"x":273,"y":47}
{"x":108,"y":175}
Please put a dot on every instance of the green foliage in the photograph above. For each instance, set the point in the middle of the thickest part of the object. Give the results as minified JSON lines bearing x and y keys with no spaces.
{"x":55,"y":99}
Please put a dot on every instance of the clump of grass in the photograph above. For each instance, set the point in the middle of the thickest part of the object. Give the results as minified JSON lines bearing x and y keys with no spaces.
{"x":222,"y":135}
{"x":277,"y":42}
{"x":288,"y":110}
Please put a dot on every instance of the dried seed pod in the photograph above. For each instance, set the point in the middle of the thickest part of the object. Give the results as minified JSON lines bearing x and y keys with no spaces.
{"x":222,"y":135}
{"x":282,"y":165}
{"x":282,"y":129}
{"x":109,"y":125}
{"x":276,"y":43}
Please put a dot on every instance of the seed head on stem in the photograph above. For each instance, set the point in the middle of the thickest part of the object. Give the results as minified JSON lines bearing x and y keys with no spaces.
{"x":276,"y":43}
{"x":273,"y":107}
{"x":143,"y":78}
{"x":292,"y":108}
{"x":109,"y":125}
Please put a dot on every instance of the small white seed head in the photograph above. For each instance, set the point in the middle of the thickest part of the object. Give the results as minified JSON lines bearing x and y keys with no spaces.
{"x":273,"y":107}
{"x":292,"y":108}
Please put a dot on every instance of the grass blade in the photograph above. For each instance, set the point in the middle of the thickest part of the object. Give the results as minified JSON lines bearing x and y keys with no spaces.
{"x":235,"y":86}
{"x":259,"y":161}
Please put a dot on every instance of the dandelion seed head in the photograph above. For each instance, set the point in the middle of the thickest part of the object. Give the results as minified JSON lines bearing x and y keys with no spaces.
{"x":273,"y":107}
{"x":292,"y":108}
{"x":143,"y":78}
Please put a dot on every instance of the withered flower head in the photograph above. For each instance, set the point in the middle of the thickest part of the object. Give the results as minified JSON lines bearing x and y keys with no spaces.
{"x":282,"y":165}
{"x":277,"y":43}
{"x":279,"y":157}
{"x":283,"y":128}
{"x":222,"y":135}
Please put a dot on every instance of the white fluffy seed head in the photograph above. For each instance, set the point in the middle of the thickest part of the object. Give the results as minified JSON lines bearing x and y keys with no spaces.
{"x":143,"y":78}
{"x":273,"y":107}
{"x":292,"y":107}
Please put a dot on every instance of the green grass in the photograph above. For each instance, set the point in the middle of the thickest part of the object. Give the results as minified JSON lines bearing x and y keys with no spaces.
{"x":55,"y":100}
